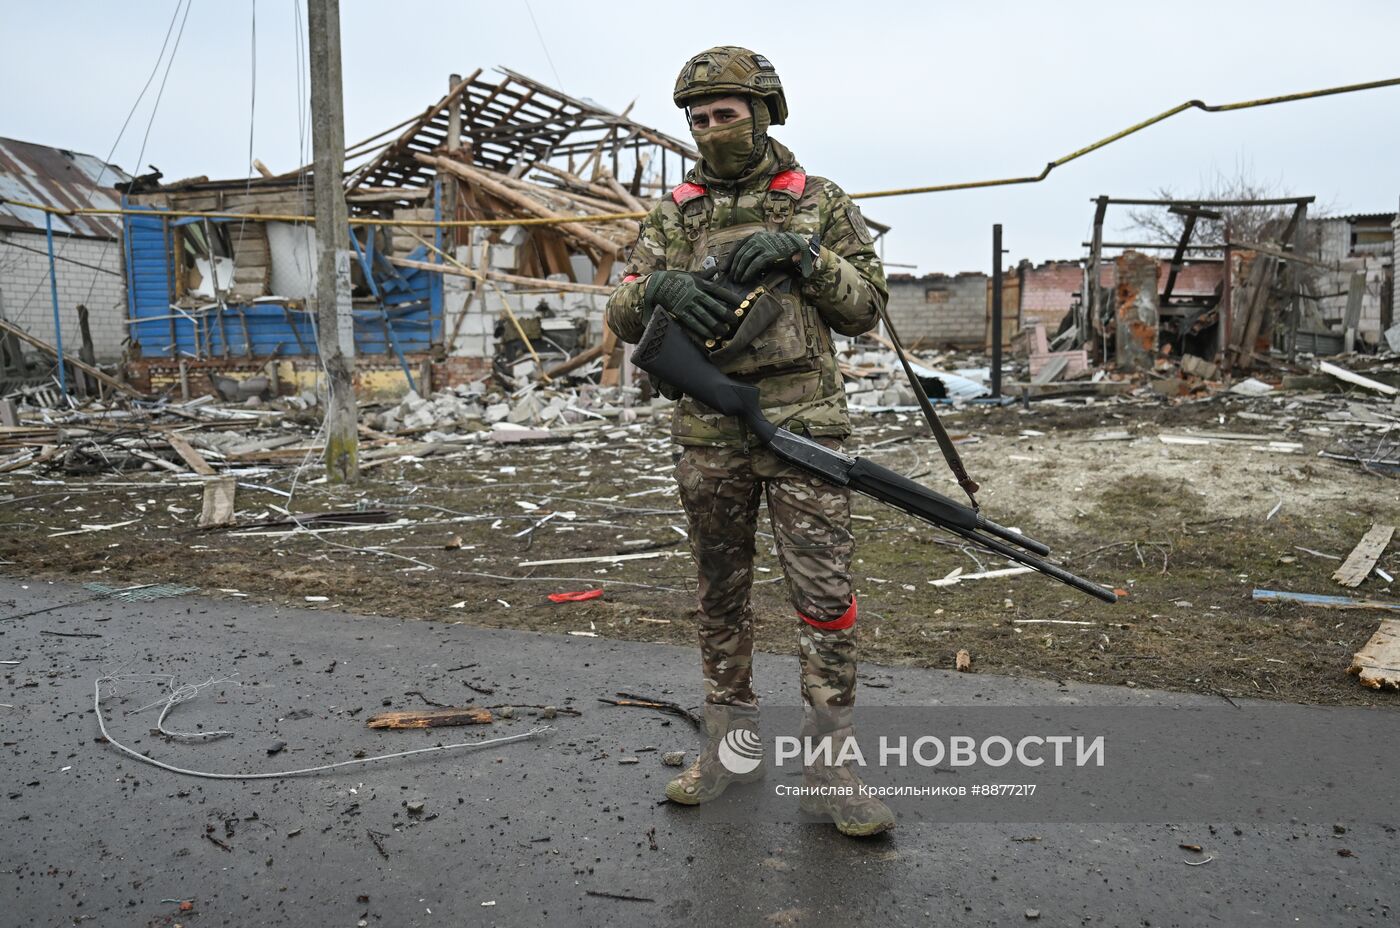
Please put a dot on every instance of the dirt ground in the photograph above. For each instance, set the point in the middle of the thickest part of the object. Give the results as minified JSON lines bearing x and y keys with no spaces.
{"x":1187,"y":530}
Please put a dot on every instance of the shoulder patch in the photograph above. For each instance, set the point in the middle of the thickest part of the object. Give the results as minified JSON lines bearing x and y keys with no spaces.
{"x":686,"y":192}
{"x":857,"y":221}
{"x":791,"y":182}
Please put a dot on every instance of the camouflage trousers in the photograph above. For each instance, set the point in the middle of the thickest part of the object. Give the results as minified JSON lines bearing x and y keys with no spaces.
{"x":720,"y":489}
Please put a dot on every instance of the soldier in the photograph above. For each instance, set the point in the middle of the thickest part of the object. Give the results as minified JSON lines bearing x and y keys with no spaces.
{"x":749,"y":211}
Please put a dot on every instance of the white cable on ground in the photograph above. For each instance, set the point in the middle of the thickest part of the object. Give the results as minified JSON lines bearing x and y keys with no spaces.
{"x":176,"y":696}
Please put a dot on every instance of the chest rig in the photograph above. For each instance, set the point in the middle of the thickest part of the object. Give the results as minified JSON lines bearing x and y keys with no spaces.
{"x":777,"y":331}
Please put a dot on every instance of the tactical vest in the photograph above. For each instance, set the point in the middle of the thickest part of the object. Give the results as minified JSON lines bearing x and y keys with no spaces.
{"x":796,"y":338}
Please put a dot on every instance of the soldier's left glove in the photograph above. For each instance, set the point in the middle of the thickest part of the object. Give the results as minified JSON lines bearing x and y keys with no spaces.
{"x":763,"y":252}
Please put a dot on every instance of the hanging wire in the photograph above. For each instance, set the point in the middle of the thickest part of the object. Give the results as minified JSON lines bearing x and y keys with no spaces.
{"x":110,"y":153}
{"x":558,"y":81}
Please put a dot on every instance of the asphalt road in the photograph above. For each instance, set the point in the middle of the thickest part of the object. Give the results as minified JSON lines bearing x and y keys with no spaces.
{"x":556,"y":830}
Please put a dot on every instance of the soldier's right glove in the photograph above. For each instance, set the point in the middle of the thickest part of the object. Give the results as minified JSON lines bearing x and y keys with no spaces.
{"x":693,"y":303}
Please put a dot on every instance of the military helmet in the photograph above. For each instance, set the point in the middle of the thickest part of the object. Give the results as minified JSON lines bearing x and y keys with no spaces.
{"x":729,"y":69}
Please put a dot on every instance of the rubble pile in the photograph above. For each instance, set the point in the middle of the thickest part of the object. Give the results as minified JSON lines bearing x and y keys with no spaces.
{"x":473,"y":407}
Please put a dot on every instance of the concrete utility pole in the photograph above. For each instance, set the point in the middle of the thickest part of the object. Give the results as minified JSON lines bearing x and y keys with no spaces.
{"x":335,"y":333}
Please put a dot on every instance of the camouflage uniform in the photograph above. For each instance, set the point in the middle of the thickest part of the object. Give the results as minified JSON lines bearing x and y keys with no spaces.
{"x":722,"y":470}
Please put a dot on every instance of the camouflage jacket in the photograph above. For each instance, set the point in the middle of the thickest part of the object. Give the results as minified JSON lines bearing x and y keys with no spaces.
{"x":843,"y":293}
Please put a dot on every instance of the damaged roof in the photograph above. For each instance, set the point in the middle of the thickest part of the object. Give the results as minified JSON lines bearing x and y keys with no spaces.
{"x":59,"y":178}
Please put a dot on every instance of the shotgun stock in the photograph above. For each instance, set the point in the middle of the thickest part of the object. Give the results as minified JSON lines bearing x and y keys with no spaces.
{"x":668,"y":354}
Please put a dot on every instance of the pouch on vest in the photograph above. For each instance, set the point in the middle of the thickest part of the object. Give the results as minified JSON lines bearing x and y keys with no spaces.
{"x":777,"y":332}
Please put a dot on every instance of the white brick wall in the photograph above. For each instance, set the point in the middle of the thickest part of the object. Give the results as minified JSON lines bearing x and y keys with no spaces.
{"x":956,"y":313}
{"x":25,"y":295}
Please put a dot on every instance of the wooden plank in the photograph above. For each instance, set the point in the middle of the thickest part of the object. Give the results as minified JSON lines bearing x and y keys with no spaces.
{"x":1052,"y":370}
{"x":1322,"y":601}
{"x":45,"y":347}
{"x":1377,"y":665}
{"x":218,"y":502}
{"x":1351,"y":319}
{"x":191,"y":457}
{"x":1341,"y":373}
{"x":577,"y":361}
{"x":1363,"y":557}
{"x":613,"y":359}
{"x":430,"y":718}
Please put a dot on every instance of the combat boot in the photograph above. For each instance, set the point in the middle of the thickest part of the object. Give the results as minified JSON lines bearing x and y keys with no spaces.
{"x":830,"y":788}
{"x":733,"y":753}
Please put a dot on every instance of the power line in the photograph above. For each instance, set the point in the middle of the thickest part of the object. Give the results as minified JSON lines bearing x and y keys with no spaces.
{"x":110,"y":152}
{"x":547,"y":57}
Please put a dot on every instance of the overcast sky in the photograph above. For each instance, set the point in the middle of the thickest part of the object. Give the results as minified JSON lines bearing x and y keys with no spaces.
{"x":882,"y":95}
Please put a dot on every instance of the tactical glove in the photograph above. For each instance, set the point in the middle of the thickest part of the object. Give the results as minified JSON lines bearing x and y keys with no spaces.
{"x":767,"y":251}
{"x":695,"y":304}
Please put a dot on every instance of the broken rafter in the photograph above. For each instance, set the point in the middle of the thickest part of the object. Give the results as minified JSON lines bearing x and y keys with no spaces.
{"x":509,"y":125}
{"x":360,"y":174}
{"x":499,"y":189}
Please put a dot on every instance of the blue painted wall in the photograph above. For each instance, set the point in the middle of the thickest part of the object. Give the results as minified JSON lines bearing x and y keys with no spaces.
{"x":408,"y":306}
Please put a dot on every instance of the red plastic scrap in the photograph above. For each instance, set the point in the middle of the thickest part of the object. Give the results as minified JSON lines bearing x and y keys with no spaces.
{"x":575,"y":597}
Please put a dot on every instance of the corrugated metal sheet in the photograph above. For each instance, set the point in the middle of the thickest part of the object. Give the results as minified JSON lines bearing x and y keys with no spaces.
{"x":58,"y":178}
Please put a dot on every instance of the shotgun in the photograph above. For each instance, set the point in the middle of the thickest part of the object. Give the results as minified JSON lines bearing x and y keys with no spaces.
{"x":667,"y":353}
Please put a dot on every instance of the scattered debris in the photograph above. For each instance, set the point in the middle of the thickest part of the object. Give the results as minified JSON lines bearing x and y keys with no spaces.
{"x":182,"y":694}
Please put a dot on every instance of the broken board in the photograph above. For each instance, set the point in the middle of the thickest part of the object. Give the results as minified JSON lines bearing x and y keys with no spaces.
{"x":430,"y":718}
{"x":218,"y":502}
{"x":1377,"y":665}
{"x":1363,"y":557}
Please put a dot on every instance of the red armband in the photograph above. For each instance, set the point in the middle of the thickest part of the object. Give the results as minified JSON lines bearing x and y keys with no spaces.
{"x":835,"y":625}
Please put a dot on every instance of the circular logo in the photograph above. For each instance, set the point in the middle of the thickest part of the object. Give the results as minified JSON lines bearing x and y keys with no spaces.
{"x":741,"y":751}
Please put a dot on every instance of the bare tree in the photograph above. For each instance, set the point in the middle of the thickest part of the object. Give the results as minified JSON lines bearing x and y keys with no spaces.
{"x":1245,"y":223}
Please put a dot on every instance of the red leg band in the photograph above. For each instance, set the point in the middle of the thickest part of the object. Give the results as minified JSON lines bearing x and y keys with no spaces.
{"x":835,"y":625}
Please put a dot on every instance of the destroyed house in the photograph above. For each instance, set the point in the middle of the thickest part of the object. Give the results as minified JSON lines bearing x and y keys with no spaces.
{"x":232,"y":293}
{"x":87,"y":257}
{"x":220,"y":288}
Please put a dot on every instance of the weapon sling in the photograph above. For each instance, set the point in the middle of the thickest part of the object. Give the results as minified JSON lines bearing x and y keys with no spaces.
{"x":945,"y":443}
